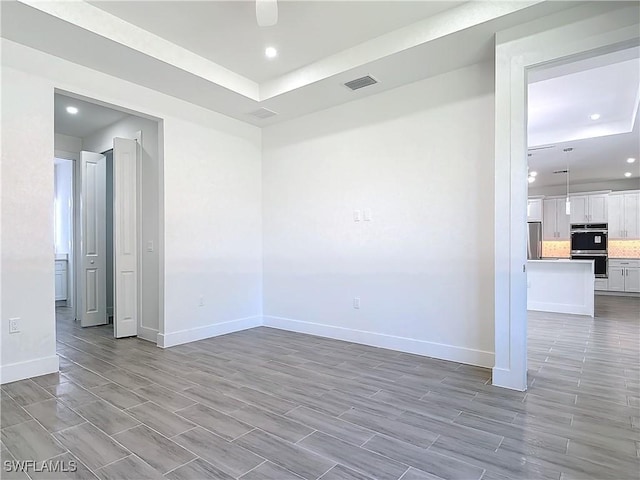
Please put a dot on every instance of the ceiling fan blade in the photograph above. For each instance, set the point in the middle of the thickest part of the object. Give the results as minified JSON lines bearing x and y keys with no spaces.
{"x":267,"y":12}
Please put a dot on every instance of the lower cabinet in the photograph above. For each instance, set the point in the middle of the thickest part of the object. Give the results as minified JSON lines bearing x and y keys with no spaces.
{"x":61,"y":280}
{"x":601,"y":284}
{"x":624,"y":276}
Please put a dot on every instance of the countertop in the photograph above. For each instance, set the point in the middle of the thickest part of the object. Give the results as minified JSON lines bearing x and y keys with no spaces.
{"x":560,"y":260}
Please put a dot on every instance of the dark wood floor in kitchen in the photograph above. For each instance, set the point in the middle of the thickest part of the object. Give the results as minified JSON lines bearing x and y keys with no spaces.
{"x":269,"y":404}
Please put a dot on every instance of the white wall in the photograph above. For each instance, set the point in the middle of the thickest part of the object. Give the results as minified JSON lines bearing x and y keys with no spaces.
{"x":151,"y":175}
{"x":211,"y":230}
{"x":421,"y":158}
{"x":67,"y":143}
{"x":27,"y":226}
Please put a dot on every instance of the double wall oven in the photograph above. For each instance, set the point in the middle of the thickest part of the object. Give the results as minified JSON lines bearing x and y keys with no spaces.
{"x":589,"y":242}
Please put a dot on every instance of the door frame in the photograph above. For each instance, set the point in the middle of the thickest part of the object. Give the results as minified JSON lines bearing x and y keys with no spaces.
{"x":579,"y":32}
{"x":71,"y":260}
{"x":138,"y":212}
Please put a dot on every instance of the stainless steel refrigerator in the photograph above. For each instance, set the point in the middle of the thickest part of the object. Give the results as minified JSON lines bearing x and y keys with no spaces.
{"x":534,"y":241}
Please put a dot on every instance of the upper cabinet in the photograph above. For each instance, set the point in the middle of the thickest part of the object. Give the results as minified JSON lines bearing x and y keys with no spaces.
{"x":589,"y":208}
{"x":624,"y":215}
{"x":555,"y":221}
{"x":534,"y":210}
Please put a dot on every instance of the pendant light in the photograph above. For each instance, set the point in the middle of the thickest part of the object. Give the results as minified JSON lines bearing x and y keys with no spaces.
{"x":567,"y":207}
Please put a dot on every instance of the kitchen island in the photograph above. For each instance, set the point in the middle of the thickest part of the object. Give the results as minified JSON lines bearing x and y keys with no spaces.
{"x":561,"y":286}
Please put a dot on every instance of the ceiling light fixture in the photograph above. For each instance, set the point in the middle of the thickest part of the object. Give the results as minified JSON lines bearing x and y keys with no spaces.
{"x":594,"y":116}
{"x":531,"y":179}
{"x":627,"y":174}
{"x":533,"y":174}
{"x":270,"y":52}
{"x":631,"y":160}
{"x":72,"y":110}
{"x":567,"y":205}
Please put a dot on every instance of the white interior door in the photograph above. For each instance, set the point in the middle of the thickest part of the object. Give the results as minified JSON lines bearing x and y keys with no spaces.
{"x":91,"y":282}
{"x":125,"y":238}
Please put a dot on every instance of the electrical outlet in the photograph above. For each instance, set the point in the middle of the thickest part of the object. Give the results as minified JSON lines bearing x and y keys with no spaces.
{"x":150,"y":246}
{"x":14,"y":325}
{"x":201,"y":302}
{"x":357,"y":215}
{"x":356,"y":302}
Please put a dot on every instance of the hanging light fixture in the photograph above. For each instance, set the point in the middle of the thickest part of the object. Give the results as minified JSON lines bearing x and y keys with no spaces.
{"x":567,"y":207}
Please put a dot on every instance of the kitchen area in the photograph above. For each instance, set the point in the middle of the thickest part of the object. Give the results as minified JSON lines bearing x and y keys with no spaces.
{"x":594,"y":249}
{"x":583,"y":209}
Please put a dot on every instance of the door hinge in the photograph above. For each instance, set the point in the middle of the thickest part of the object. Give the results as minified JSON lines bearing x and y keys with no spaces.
{"x":524,"y":267}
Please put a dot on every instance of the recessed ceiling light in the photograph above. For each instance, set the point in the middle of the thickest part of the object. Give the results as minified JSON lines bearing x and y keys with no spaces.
{"x":594,"y":116}
{"x":531,"y":179}
{"x":631,"y":160}
{"x":270,"y":52}
{"x":72,"y":110}
{"x":627,"y":174}
{"x":533,"y":174}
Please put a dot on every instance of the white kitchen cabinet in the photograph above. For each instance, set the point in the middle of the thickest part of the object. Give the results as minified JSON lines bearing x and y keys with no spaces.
{"x":624,"y":275}
{"x":601,"y":284}
{"x":534,"y":210}
{"x":590,"y":208}
{"x":624,"y":216}
{"x":555,"y":221}
{"x":61,"y":279}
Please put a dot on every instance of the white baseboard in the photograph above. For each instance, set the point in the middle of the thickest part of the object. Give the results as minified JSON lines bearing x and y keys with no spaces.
{"x":200,"y":333}
{"x":573,"y":309}
{"x":501,"y":377}
{"x":31,"y":368}
{"x":148,"y":334}
{"x":402,"y":344}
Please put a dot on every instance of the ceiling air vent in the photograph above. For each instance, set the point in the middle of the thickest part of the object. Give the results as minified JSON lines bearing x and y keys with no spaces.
{"x":361,"y":82}
{"x":263,"y":113}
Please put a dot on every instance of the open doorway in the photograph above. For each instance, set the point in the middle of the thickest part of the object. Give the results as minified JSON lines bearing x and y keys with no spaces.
{"x":597,"y":32}
{"x":110,"y":216}
{"x":582,"y":210}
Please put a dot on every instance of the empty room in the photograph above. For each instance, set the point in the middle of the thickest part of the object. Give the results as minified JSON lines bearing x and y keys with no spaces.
{"x":271,"y":239}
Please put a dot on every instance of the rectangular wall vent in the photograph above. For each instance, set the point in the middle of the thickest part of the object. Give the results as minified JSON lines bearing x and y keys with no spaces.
{"x":263,"y":113}
{"x":361,"y":82}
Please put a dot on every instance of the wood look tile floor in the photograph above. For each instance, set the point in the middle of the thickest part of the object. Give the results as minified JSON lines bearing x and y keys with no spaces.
{"x":275,"y":405}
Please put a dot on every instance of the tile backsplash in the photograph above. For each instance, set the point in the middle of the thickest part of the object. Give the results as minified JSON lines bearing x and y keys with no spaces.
{"x":624,"y":248}
{"x":556,"y":249}
{"x":617,"y":249}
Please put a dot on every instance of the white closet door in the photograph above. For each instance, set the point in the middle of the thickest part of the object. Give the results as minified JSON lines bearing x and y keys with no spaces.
{"x":125,"y":241}
{"x":92,"y":279}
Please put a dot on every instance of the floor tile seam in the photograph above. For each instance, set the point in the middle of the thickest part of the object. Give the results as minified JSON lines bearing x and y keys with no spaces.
{"x":101,"y":431}
{"x":35,"y":384}
{"x":74,"y":456}
{"x":136,"y":391}
{"x":121,"y":410}
{"x":195,"y":427}
{"x":405,"y":472}
{"x":31,"y":417}
{"x":131,"y":454}
{"x":260,"y":464}
{"x":363,"y":446}
{"x":222,"y":439}
{"x":51,"y":434}
{"x":182,"y":465}
{"x":426,"y":449}
{"x":113,"y":404}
